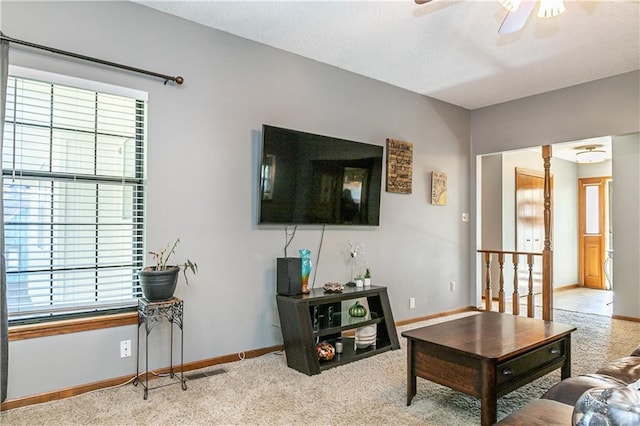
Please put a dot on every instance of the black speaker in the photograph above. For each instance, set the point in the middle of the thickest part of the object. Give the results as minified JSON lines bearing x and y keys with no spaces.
{"x":289,"y":276}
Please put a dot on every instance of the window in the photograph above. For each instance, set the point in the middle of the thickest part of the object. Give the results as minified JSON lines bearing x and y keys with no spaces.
{"x":73,"y":194}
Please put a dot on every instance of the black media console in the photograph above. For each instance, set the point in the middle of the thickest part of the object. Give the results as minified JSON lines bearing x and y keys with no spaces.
{"x":307,"y":319}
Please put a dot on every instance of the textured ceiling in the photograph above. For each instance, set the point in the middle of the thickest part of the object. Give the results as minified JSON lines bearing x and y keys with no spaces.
{"x":448,"y":50}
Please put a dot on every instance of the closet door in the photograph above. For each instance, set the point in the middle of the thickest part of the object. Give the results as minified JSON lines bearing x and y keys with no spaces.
{"x":530,"y":223}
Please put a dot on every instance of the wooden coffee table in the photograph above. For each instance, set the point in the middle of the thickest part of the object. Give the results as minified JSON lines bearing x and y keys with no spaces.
{"x":487,"y":355}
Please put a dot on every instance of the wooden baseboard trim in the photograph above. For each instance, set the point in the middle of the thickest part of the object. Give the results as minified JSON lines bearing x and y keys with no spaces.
{"x":438,"y":315}
{"x":567,"y":287}
{"x":63,"y":393}
{"x":225,"y":359}
{"x":123,"y":380}
{"x":624,"y":318}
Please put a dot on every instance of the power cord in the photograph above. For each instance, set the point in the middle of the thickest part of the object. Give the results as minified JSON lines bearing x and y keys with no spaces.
{"x":288,"y":237}
{"x":118,"y":385}
{"x":315,"y":271}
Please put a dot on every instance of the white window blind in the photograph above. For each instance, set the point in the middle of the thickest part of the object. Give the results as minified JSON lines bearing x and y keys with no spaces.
{"x":73,"y":194}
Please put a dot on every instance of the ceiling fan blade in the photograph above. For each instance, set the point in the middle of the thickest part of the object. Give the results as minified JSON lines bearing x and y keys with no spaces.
{"x":422,"y":1}
{"x":514,"y":21}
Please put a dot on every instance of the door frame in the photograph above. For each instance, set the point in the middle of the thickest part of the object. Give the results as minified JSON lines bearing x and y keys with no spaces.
{"x":601,"y":182}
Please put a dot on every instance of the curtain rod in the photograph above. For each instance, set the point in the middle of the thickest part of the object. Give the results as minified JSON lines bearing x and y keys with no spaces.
{"x":177,"y":79}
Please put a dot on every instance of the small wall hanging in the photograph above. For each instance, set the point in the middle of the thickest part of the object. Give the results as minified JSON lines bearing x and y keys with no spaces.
{"x":438,"y":188}
{"x":399,"y":166}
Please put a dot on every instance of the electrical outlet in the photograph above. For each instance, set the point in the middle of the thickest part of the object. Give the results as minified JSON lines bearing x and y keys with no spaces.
{"x":452,"y":286}
{"x":125,"y":348}
{"x":412,"y":303}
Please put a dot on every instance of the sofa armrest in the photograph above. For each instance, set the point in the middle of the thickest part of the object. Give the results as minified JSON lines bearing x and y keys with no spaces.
{"x":636,"y":351}
{"x":540,"y":412}
{"x":626,"y":369}
{"x":570,"y":390}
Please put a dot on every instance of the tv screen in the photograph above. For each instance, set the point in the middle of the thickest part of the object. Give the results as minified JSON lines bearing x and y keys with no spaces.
{"x":313,"y":179}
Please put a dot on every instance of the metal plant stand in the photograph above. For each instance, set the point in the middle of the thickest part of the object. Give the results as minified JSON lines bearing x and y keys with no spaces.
{"x":151,"y":314}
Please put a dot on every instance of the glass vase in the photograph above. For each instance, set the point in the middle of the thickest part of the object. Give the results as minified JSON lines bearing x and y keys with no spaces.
{"x":305,"y":259}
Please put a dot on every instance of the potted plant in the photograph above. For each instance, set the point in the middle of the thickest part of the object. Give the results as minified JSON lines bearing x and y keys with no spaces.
{"x":367,"y":277}
{"x":158,"y":282}
{"x":359,"y":279}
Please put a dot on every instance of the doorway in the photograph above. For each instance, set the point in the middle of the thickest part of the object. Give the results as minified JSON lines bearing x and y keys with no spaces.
{"x":511,"y":198}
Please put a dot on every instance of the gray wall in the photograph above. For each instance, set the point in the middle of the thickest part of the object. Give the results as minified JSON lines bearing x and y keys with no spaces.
{"x":626,"y":225}
{"x":203,"y":141}
{"x":600,"y":108}
{"x":594,"y":170}
{"x":565,"y":223}
{"x":491,"y":214}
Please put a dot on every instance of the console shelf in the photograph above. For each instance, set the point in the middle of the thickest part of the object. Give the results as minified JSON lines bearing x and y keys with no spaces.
{"x":307,"y":319}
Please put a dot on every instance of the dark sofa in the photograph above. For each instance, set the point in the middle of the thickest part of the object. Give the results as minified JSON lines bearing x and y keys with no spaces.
{"x":556,"y":406}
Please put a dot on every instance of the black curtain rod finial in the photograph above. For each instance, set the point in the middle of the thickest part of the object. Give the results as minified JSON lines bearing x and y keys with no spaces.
{"x":177,"y":80}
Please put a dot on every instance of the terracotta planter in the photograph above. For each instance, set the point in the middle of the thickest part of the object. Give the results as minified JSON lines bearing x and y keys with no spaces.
{"x":158,"y":285}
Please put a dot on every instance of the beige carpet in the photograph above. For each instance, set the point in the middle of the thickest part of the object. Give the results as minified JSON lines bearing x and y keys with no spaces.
{"x":263,"y":391}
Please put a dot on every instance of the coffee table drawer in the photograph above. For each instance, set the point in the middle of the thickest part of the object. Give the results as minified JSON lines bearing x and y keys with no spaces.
{"x":527,"y":363}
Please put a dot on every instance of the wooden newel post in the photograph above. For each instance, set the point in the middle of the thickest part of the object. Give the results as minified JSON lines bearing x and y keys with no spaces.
{"x":547,"y":252}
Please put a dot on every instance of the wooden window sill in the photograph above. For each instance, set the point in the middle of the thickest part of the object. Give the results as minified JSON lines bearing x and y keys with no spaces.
{"x":54,"y":328}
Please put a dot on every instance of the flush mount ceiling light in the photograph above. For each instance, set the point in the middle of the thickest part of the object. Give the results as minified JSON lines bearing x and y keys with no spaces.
{"x":590,"y":154}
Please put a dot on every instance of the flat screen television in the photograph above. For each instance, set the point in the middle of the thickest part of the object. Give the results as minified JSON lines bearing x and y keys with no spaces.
{"x":314,"y":179}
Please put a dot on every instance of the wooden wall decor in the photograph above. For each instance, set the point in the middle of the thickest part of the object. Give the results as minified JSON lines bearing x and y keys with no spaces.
{"x":399,"y":166}
{"x":438,"y":188}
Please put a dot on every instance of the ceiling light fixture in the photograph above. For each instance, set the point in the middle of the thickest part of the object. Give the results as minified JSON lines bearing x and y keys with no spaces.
{"x":550,"y":8}
{"x":510,"y":5}
{"x":590,"y":155}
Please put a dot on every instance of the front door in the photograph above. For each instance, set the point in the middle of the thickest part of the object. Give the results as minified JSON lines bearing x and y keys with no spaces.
{"x":591,"y":231}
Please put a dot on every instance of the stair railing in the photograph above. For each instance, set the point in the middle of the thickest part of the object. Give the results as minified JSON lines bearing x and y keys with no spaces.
{"x":515,"y":294}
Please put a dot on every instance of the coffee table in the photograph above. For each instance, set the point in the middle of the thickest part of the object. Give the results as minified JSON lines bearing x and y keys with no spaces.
{"x":487,"y":355}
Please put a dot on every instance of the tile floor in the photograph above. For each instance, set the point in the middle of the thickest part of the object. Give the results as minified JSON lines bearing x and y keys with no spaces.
{"x":584,"y":300}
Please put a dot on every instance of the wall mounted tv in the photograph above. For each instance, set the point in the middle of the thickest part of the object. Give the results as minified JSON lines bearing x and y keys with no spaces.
{"x":313,"y":179}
